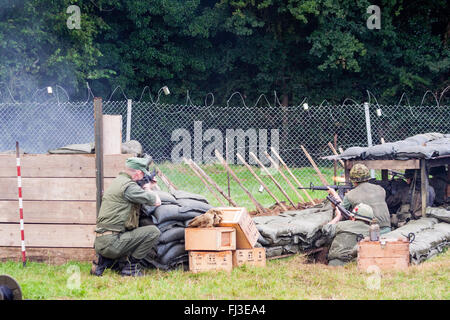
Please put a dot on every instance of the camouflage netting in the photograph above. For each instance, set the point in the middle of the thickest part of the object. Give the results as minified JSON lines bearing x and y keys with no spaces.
{"x":171,"y":218}
{"x":293,"y":231}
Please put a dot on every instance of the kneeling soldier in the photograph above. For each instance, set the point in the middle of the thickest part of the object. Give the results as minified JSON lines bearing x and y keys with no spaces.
{"x":117,"y":232}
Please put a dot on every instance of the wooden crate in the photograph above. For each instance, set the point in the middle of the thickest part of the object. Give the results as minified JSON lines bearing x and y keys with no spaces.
{"x":387,"y":254}
{"x":200,"y":261}
{"x":213,"y":239}
{"x":59,"y":205}
{"x":253,"y":257}
{"x":246,"y":232}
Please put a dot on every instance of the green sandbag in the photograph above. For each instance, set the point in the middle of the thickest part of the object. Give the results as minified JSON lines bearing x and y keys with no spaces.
{"x":441,"y":214}
{"x":74,"y":148}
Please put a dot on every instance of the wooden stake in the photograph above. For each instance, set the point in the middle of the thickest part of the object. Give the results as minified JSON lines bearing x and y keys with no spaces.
{"x":98,"y":127}
{"x":165,"y":179}
{"x":273,"y":179}
{"x":335,"y":153}
{"x":258,"y":206}
{"x":300,"y":198}
{"x":321,"y":177}
{"x":203,"y":180}
{"x":291,"y":174}
{"x":211,"y":181}
{"x":260,"y":181}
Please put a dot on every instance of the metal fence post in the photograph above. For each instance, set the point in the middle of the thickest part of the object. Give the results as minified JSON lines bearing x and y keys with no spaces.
{"x":369,"y":132}
{"x":129,"y":106}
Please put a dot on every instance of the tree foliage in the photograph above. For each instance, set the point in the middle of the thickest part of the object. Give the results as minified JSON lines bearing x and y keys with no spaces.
{"x":321,"y":49}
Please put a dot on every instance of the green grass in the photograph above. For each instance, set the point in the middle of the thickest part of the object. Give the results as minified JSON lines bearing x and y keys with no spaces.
{"x":283,"y":279}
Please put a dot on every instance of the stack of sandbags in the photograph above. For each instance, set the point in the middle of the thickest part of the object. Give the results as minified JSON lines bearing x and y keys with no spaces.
{"x":171,"y":218}
{"x":431,"y":234}
{"x":293,"y":231}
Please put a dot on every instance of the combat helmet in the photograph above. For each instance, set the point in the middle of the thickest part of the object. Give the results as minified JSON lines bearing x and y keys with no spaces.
{"x":359,"y":173}
{"x":363,"y":212}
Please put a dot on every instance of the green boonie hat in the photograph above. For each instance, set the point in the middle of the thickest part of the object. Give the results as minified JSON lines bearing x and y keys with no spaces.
{"x":364,"y":210}
{"x":138,"y":164}
{"x":359,"y":173}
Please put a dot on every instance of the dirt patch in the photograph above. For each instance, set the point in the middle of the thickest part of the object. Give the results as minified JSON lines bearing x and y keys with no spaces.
{"x":276,"y":209}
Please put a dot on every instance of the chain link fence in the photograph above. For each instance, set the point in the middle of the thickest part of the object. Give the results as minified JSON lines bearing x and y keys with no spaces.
{"x":170,"y":132}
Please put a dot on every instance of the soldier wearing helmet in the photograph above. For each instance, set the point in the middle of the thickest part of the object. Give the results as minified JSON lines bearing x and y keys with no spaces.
{"x":368,"y":194}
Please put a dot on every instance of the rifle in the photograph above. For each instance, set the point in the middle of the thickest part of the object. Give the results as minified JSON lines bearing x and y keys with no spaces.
{"x":340,"y":188}
{"x":345,"y":213}
{"x":147,"y":178}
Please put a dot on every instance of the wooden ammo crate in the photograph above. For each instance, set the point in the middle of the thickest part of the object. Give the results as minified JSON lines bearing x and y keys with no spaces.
{"x":213,"y":239}
{"x":200,"y":261}
{"x":59,"y":205}
{"x":253,"y":257}
{"x":386,"y":254}
{"x":246,"y":232}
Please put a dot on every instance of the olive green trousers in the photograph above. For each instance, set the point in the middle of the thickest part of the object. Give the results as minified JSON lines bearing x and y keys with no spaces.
{"x":136,"y":243}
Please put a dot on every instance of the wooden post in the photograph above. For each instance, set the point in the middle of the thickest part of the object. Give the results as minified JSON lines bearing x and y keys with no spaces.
{"x":260,"y":181}
{"x":300,"y":198}
{"x":273,"y":179}
{"x":211,"y":181}
{"x":424,"y":185}
{"x":384,"y":175}
{"x":98,"y":127}
{"x":321,"y":177}
{"x":258,"y":206}
{"x":203,"y":180}
{"x":335,"y":153}
{"x":291,"y":174}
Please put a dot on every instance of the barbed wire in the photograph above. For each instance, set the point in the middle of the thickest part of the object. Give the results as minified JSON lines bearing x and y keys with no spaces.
{"x":209,"y":99}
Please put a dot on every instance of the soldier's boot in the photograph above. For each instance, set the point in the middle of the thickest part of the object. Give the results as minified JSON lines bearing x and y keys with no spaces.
{"x":132,"y":268}
{"x":99,"y":266}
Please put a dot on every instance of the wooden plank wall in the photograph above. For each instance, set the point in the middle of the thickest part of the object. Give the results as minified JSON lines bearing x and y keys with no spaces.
{"x":59,"y":194}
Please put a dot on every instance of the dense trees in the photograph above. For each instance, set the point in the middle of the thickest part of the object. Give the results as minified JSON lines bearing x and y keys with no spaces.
{"x":321,"y":49}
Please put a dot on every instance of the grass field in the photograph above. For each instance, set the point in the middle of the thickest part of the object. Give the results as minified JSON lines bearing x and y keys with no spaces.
{"x":283,"y":279}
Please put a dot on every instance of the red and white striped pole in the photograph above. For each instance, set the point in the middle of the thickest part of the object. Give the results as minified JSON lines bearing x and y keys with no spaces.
{"x":19,"y":184}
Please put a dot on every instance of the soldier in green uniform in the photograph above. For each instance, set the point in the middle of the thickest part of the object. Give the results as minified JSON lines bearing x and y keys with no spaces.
{"x":117,"y":232}
{"x":368,"y":193}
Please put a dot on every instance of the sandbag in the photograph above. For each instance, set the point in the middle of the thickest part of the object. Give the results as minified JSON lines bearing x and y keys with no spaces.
{"x":166,"y":197}
{"x":74,"y":148}
{"x":180,"y":194}
{"x":194,"y":205}
{"x":413,"y":226}
{"x":132,"y":147}
{"x":427,"y":244}
{"x":175,"y":251}
{"x":173,"y":234}
{"x":166,"y":225}
{"x":165,"y":213}
{"x":147,"y":210}
{"x":304,"y":223}
{"x":162,"y":248}
{"x":441,"y":214}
